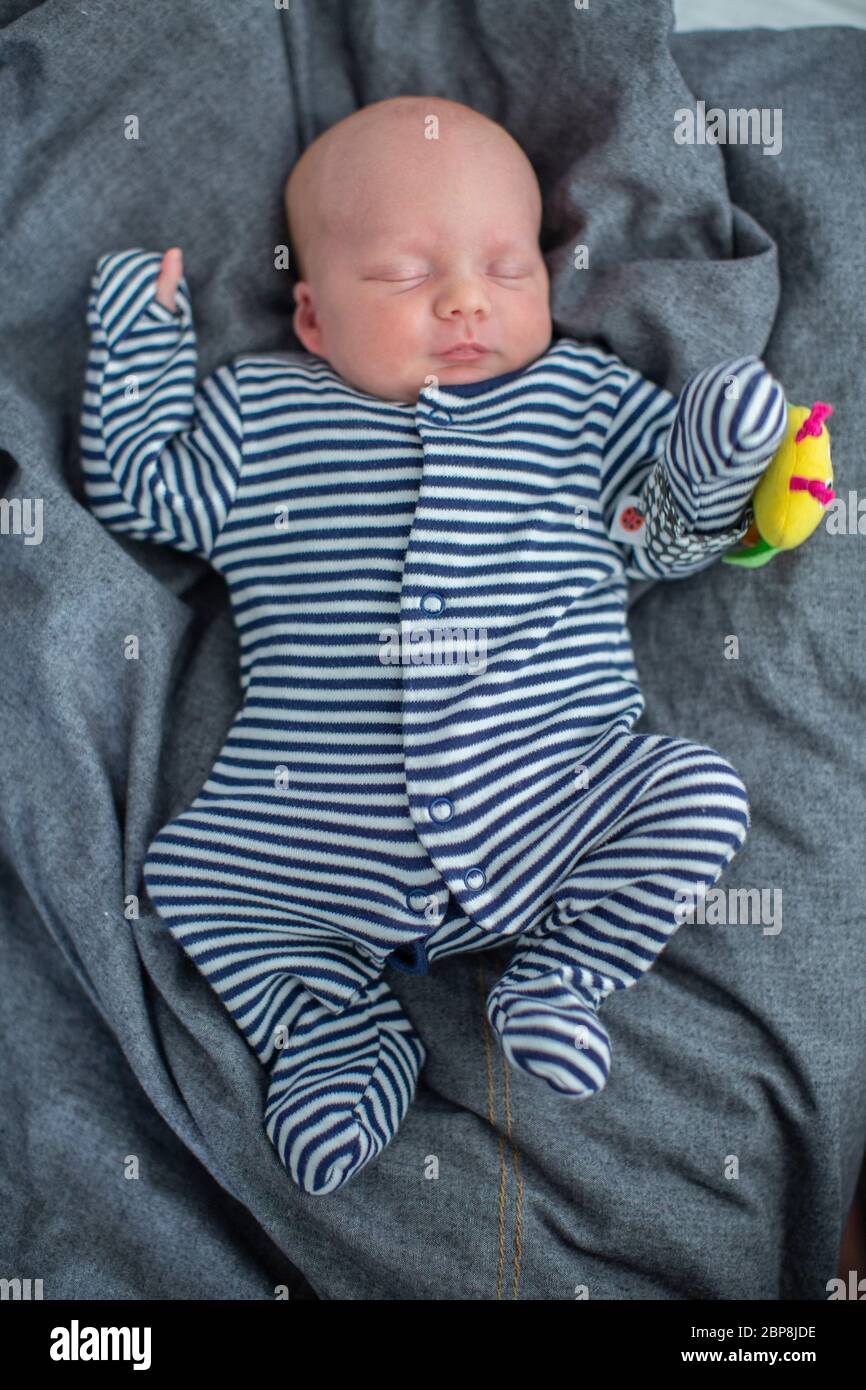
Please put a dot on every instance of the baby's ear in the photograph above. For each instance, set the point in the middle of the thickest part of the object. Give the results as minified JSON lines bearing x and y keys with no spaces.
{"x":304,"y":321}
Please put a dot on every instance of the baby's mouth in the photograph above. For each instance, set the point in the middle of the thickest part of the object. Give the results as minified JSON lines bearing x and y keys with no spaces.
{"x":465,"y":352}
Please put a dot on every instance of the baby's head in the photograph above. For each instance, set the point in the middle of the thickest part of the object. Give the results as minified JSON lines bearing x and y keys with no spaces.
{"x":409,"y":245}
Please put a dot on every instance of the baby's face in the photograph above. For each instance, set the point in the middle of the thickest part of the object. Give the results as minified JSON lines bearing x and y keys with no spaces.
{"x":435,"y":249}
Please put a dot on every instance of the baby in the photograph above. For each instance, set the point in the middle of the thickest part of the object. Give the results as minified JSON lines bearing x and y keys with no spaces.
{"x":427,"y":527}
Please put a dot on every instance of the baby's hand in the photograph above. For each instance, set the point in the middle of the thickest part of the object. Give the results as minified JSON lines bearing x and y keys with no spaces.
{"x":170,"y":273}
{"x":768,"y":424}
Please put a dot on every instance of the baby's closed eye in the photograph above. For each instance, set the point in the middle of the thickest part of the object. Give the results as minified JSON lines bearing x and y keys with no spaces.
{"x":404,"y":277}
{"x":510,"y":272}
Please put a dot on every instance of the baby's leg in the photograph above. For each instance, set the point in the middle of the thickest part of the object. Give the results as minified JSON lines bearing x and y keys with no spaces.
{"x":343,"y":1057}
{"x":686,"y":816}
{"x":341,"y":1085}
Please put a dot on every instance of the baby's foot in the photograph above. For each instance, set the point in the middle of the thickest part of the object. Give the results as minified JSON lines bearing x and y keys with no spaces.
{"x":340,"y":1088}
{"x":549,"y":1027}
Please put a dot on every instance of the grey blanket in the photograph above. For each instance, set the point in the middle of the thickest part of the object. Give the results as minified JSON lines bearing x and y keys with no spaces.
{"x":722,"y":1157}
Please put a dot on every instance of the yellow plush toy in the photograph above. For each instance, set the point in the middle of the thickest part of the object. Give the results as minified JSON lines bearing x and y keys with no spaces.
{"x":793,"y":491}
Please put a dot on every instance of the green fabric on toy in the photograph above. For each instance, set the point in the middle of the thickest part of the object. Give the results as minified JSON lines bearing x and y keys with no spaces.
{"x":794,"y":489}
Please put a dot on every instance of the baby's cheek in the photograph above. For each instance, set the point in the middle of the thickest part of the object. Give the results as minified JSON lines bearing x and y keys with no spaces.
{"x":376,"y":350}
{"x":536,"y":326}
{"x":399,"y":333}
{"x":534,"y":309}
{"x":376,"y":327}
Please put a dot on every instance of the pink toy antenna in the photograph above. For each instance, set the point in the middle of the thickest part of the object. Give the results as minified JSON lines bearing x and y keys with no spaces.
{"x":814,"y":424}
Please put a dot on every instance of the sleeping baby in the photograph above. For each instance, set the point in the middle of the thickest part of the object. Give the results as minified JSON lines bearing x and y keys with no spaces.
{"x":427,"y":523}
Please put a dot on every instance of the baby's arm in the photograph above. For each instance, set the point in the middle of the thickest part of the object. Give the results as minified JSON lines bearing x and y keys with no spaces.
{"x":161,"y":459}
{"x":692,"y":463}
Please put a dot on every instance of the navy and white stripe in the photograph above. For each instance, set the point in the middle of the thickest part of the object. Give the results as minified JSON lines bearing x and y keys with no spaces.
{"x":674,"y":815}
{"x":161,"y":459}
{"x":731,"y":422}
{"x":715,"y":449}
{"x":358,"y":808}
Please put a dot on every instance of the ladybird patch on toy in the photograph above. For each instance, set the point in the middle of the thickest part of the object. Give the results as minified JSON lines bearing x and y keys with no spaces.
{"x":793,"y":492}
{"x":629,"y":522}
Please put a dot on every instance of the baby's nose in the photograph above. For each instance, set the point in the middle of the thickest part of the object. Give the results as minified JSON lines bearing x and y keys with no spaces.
{"x":465,"y":296}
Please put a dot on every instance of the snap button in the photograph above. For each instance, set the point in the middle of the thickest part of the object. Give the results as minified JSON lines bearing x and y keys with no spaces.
{"x":441,"y":809}
{"x":440,"y":415}
{"x":432,"y":603}
{"x":417,"y":899}
{"x":475,"y":879}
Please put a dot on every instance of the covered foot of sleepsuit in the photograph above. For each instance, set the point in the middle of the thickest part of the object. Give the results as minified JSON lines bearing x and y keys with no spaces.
{"x":341,"y":1086}
{"x":548,"y":1026}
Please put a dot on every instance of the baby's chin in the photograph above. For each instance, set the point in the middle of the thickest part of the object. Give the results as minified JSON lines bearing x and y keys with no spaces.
{"x":434,"y":371}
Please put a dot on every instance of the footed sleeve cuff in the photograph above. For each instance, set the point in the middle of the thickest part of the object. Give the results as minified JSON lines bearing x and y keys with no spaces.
{"x":730,"y":420}
{"x":124,"y":285}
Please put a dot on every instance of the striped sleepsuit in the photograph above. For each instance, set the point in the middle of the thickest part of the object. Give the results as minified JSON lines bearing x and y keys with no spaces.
{"x":433,"y":748}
